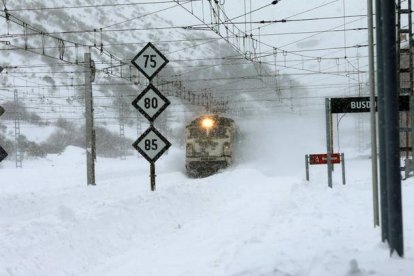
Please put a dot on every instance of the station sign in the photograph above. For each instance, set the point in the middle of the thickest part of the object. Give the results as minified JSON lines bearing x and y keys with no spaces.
{"x":151,"y":103}
{"x":149,"y":61}
{"x":151,"y":144}
{"x":363,"y":104}
{"x":322,"y":159}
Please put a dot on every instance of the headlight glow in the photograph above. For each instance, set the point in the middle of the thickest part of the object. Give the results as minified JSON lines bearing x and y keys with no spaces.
{"x":207,"y":123}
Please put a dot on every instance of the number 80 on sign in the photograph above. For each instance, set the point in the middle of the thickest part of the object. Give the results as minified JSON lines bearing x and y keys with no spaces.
{"x":151,"y":103}
{"x":151,"y":144}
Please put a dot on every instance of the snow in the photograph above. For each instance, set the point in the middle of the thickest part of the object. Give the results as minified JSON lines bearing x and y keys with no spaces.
{"x":37,"y":134}
{"x":259,"y":217}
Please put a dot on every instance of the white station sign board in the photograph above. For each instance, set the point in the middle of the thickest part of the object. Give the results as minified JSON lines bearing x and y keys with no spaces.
{"x":149,"y":61}
{"x":151,"y":144}
{"x":151,"y":102}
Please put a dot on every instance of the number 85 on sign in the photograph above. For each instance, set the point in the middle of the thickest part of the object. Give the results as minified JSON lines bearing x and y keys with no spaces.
{"x":151,"y":144}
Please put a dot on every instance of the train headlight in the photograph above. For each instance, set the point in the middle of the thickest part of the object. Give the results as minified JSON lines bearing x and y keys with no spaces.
{"x":207,"y":123}
{"x":226,"y":149}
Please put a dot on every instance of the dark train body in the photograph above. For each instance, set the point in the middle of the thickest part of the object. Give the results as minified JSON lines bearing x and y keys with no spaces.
{"x":209,"y":143}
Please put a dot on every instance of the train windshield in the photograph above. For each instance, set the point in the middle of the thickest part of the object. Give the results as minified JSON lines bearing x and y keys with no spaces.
{"x":216,"y":132}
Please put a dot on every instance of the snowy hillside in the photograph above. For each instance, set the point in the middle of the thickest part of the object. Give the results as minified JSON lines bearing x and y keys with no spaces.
{"x":46,"y":72}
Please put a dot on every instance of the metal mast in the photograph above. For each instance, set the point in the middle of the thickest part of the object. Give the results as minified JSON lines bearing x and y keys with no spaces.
{"x":19,"y":155}
{"x":406,"y":79}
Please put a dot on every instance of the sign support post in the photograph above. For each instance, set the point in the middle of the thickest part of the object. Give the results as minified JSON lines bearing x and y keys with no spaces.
{"x":395,"y":224}
{"x":328,"y":141}
{"x":152,"y":175}
{"x":307,"y":166}
{"x":374,"y":162}
{"x":343,"y":168}
{"x":381,"y":124}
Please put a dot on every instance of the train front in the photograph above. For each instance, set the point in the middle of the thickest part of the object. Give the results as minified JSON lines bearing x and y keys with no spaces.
{"x":209,"y":143}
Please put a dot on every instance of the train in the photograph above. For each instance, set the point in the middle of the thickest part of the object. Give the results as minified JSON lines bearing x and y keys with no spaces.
{"x":209,"y":142}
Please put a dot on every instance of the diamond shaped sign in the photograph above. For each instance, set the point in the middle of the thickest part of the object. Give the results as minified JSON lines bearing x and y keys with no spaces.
{"x":151,"y":102}
{"x":3,"y":154}
{"x":151,"y":144}
{"x":149,"y":61}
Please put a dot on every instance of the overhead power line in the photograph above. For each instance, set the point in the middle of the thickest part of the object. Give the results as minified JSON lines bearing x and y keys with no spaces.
{"x":94,"y":6}
{"x":298,"y":20}
{"x":301,"y":12}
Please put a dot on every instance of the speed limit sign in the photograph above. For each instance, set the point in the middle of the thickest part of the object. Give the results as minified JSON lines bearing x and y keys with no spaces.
{"x":151,"y":144}
{"x":149,"y":61}
{"x":151,"y":102}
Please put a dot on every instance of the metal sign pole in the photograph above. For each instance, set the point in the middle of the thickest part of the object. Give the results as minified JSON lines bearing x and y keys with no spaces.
{"x":392,"y":132}
{"x":152,"y":175}
{"x":343,"y":168}
{"x":328,"y":141}
{"x":374,"y":166}
{"x":381,"y":124}
{"x":307,"y":166}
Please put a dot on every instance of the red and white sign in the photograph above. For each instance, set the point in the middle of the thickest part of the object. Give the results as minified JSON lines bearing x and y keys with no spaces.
{"x":321,"y":159}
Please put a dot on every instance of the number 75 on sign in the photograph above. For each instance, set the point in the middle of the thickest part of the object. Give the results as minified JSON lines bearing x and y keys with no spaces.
{"x":149,"y":61}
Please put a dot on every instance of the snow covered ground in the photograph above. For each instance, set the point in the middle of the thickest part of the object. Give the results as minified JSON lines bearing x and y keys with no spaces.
{"x":259,"y":217}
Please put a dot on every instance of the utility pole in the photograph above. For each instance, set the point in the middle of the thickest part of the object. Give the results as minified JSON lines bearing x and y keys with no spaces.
{"x":381,"y":123}
{"x":19,"y":155}
{"x":328,"y":140}
{"x":373,"y":111}
{"x":395,"y":223}
{"x":90,"y":132}
{"x":121,"y":113}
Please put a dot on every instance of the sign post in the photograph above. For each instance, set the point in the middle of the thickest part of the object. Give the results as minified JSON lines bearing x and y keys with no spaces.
{"x":328,"y":139}
{"x":151,"y":103}
{"x":343,"y":168}
{"x":3,"y":153}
